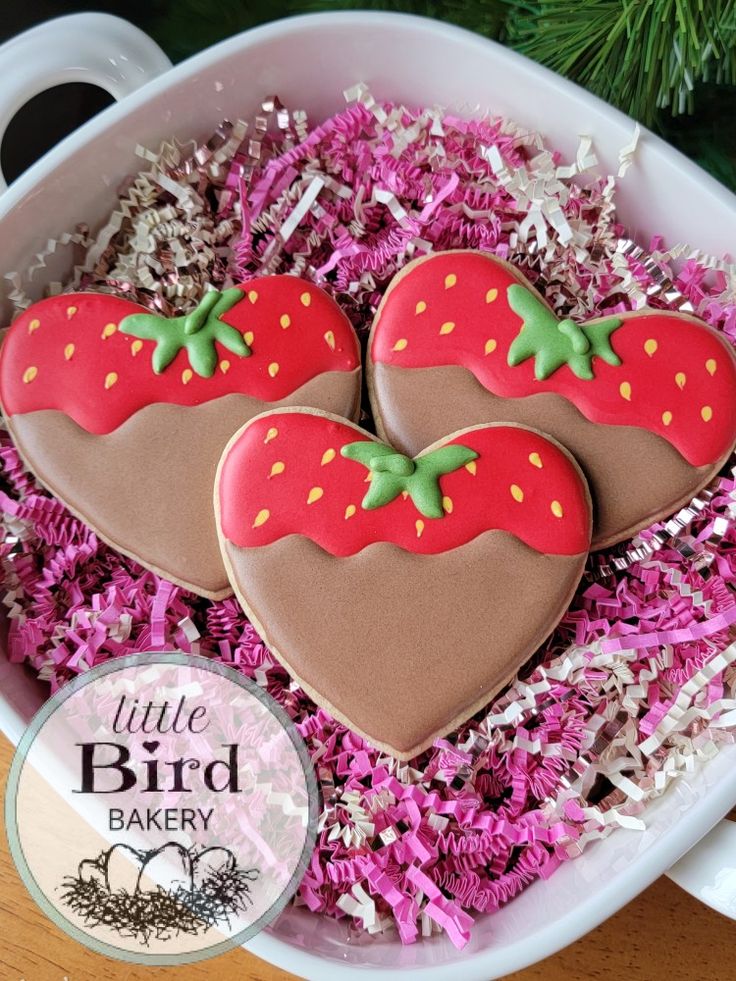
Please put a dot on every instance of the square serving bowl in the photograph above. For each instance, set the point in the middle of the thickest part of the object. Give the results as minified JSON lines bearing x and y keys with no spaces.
{"x":308,"y":62}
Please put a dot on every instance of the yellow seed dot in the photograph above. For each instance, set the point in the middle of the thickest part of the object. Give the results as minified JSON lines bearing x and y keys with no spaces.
{"x":135,"y":347}
{"x":368,"y":478}
{"x":680,"y":379}
{"x":261,"y":518}
{"x":419,"y":525}
{"x":420,"y":307}
{"x":711,"y":365}
{"x":273,"y":369}
{"x":70,"y":311}
{"x":306,"y":299}
{"x":517,"y":493}
{"x":111,"y":378}
{"x":349,"y":511}
{"x":271,"y":434}
{"x":33,"y":325}
{"x":108,"y":330}
{"x":187,"y":375}
{"x":400,"y":345}
{"x":328,"y":456}
{"x":491,"y":346}
{"x":248,"y":337}
{"x":329,"y":339}
{"x":224,"y":366}
{"x":556,"y":509}
{"x":491,"y":295}
{"x":252,"y":296}
{"x":650,"y":346}
{"x":69,"y":352}
{"x":471,"y":468}
{"x":450,"y":280}
{"x":314,"y":495}
{"x":667,"y":418}
{"x":625,"y":391}
{"x":535,"y":460}
{"x":706,"y":413}
{"x":30,"y":373}
{"x":278,"y":467}
{"x":285,"y":320}
{"x":447,"y":327}
{"x":405,"y":495}
{"x":447,"y":505}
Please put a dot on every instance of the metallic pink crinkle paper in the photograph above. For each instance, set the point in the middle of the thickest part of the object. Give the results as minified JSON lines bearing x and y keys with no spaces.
{"x":638,"y":680}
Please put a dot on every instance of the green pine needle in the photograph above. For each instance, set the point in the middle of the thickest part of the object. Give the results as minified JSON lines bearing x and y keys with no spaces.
{"x":640,"y":55}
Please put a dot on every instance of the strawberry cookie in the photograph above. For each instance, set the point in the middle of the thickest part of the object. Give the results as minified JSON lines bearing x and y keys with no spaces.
{"x":401,"y":592}
{"x":645,"y":401}
{"x":123,"y":414}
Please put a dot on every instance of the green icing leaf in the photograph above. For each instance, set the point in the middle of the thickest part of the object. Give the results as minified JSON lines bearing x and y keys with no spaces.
{"x":197,"y":332}
{"x":553,"y":343}
{"x":427,"y":497}
{"x":164,"y":352}
{"x":194,"y":320}
{"x":393,"y":473}
{"x":397,"y":464}
{"x":367,"y":450}
{"x":384,"y":487}
{"x":423,"y":485}
{"x":446,"y":459}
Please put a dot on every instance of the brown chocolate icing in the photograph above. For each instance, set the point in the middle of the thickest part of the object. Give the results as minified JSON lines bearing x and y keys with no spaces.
{"x":635,"y":476}
{"x":146,"y":488}
{"x":403,"y":647}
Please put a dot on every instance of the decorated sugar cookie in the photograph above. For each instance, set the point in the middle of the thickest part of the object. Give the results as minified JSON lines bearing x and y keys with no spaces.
{"x":402,"y":593}
{"x":124,"y":414}
{"x":645,"y":401}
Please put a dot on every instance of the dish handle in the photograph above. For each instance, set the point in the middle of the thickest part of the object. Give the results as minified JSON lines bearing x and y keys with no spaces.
{"x":708,"y":870}
{"x":96,"y":48}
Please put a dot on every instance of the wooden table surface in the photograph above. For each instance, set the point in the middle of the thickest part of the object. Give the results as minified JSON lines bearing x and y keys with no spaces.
{"x":664,"y":935}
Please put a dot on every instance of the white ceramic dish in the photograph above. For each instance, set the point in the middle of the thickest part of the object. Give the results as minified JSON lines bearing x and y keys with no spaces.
{"x":308,"y":61}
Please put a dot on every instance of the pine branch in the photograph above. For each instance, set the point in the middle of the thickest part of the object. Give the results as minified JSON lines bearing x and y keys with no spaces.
{"x":640,"y":55}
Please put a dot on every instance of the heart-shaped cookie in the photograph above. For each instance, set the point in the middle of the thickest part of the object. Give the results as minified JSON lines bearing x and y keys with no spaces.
{"x":401,"y":593}
{"x":645,"y":401}
{"x":123,"y":415}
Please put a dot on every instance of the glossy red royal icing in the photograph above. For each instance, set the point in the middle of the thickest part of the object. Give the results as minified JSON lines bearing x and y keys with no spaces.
{"x":284,"y":475}
{"x":677,"y":377}
{"x":68,"y":353}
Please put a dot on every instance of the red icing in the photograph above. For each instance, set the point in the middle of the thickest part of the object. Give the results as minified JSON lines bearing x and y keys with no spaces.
{"x":683,"y":346}
{"x":76,"y":384}
{"x":480,"y":502}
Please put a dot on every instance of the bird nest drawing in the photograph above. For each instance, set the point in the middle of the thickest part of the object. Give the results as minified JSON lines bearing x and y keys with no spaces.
{"x":159,"y":894}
